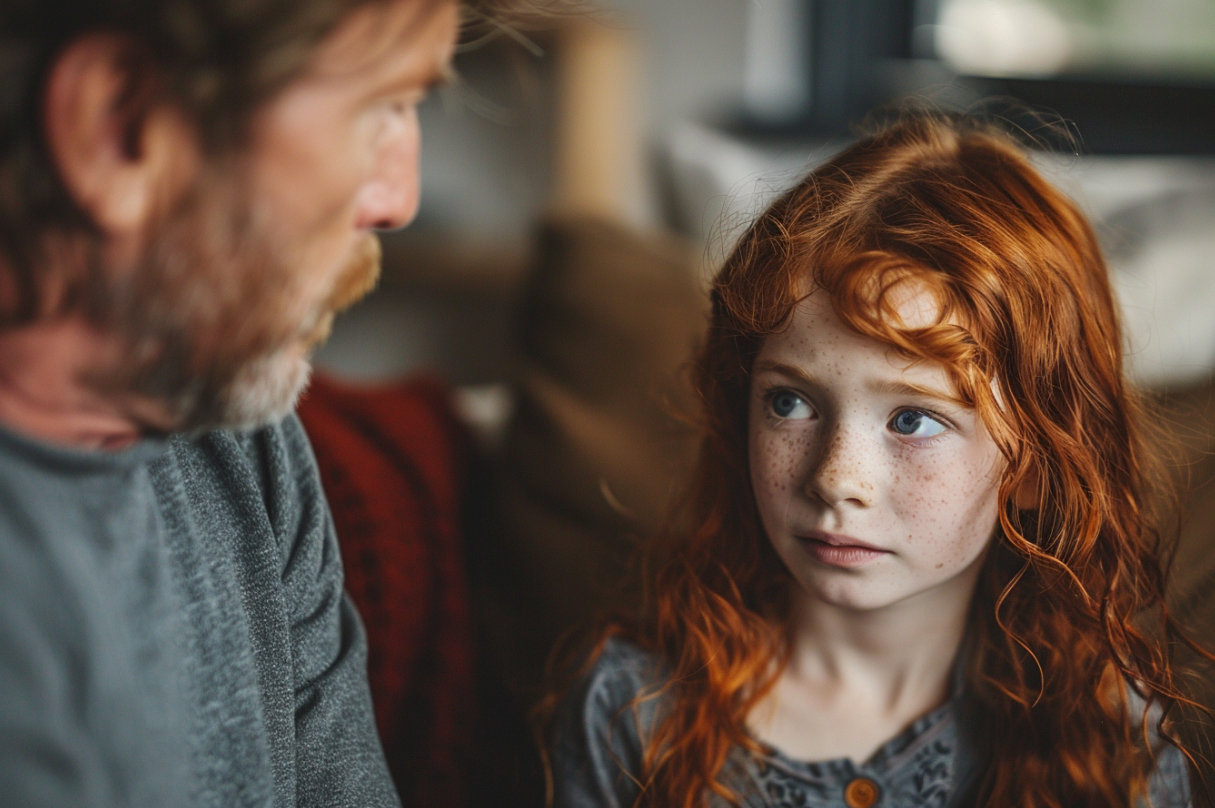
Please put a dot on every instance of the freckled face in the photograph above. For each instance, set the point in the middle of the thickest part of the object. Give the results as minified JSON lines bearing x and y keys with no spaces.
{"x":874,"y":486}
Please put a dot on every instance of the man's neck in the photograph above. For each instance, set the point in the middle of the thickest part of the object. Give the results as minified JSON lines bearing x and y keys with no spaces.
{"x":44,"y":393}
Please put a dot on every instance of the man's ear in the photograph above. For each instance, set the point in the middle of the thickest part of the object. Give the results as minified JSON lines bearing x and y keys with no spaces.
{"x":120,"y":152}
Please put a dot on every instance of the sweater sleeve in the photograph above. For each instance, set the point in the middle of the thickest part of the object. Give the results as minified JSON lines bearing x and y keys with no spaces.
{"x":339,"y":761}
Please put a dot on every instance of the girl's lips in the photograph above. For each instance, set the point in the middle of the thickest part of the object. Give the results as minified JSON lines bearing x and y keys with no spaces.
{"x":841,"y":551}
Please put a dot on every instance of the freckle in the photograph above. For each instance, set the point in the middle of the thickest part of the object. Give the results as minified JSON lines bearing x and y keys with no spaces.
{"x":940,"y":565}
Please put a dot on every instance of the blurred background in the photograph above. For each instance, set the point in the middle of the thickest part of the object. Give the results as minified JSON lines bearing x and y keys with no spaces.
{"x":687,"y":115}
{"x":581,"y":180}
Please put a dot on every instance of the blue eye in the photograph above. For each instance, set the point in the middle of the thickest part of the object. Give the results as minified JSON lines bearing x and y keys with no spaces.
{"x":916,"y":424}
{"x":789,"y":405}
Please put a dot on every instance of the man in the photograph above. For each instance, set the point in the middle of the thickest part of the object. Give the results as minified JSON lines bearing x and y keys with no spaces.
{"x":188,"y":190}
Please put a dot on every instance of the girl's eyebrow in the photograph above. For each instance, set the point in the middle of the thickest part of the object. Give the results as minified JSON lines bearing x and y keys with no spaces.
{"x":902,"y":388}
{"x":792,"y":371}
{"x":888,"y":387}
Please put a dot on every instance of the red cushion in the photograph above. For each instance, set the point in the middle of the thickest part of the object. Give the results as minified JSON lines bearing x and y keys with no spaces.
{"x":392,"y":462}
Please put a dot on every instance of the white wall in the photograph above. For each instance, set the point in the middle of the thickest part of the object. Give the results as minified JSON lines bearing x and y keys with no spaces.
{"x":694,"y":54}
{"x":489,"y":179}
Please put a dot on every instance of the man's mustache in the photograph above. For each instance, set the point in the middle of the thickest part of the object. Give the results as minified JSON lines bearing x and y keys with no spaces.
{"x":359,"y":277}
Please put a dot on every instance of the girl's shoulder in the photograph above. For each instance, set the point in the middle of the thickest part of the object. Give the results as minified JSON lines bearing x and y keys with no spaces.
{"x":597,"y":736}
{"x":623,"y":667}
{"x":1169,"y":784}
{"x":624,"y":677}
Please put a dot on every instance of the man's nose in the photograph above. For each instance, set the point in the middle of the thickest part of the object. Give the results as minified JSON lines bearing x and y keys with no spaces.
{"x":843,"y":470}
{"x":389,"y":198}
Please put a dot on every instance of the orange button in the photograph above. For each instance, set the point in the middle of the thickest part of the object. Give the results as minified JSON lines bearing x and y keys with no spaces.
{"x":861,"y":793}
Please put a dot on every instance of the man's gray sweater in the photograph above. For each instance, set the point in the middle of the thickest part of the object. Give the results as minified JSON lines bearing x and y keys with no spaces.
{"x":173,"y":630}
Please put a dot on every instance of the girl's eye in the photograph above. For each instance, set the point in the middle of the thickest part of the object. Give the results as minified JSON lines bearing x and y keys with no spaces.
{"x":916,"y":424}
{"x":789,"y":405}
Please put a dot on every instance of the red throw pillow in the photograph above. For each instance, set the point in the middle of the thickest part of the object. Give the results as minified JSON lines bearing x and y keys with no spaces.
{"x":392,"y":461}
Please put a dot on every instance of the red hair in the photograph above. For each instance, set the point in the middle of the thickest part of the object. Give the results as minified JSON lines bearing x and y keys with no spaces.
{"x":1069,"y":612}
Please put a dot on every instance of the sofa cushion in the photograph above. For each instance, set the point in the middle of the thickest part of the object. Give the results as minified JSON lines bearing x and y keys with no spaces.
{"x":393,"y":462}
{"x":609,"y":319}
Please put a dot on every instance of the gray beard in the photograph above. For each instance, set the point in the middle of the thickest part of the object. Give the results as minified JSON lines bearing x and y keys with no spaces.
{"x":263,"y":390}
{"x":204,"y":317}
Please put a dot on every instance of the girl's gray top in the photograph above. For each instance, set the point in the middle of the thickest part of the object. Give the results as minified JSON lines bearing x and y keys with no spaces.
{"x":597,"y":746}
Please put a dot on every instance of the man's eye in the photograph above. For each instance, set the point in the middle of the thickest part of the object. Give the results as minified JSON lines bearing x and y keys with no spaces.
{"x":789,"y":405}
{"x":406,"y":103}
{"x":916,"y":424}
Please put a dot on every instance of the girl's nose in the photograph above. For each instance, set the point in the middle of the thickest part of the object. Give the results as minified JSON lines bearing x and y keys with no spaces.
{"x":842,"y":472}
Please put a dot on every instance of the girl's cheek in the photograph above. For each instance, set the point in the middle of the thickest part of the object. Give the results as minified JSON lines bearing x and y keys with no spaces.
{"x":778,"y":458}
{"x":928,"y":485}
{"x":948,"y":500}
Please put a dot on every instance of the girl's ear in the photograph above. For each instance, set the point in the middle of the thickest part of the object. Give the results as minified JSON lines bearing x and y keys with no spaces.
{"x":1028,"y":496}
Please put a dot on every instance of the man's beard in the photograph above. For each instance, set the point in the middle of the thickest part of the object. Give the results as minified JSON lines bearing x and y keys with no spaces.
{"x":214,"y":320}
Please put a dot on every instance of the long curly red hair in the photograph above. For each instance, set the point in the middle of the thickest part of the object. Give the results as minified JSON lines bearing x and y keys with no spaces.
{"x":1069,"y":613}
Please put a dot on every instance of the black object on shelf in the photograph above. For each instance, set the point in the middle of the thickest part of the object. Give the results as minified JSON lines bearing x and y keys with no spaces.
{"x":849,"y":40}
{"x":861,"y":56}
{"x":1119,"y":115}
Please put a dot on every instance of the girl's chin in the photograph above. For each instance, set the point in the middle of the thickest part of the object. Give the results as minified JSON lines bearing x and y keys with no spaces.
{"x":852,"y":596}
{"x":846,"y":591}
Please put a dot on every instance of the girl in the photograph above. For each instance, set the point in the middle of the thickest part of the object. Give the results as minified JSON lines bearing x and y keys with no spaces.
{"x":917,"y":565}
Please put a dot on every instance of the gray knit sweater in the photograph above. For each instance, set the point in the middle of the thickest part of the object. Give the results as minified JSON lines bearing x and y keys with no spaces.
{"x":173,"y":630}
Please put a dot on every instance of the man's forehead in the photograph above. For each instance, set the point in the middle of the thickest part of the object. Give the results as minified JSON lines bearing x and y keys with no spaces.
{"x":412,"y":39}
